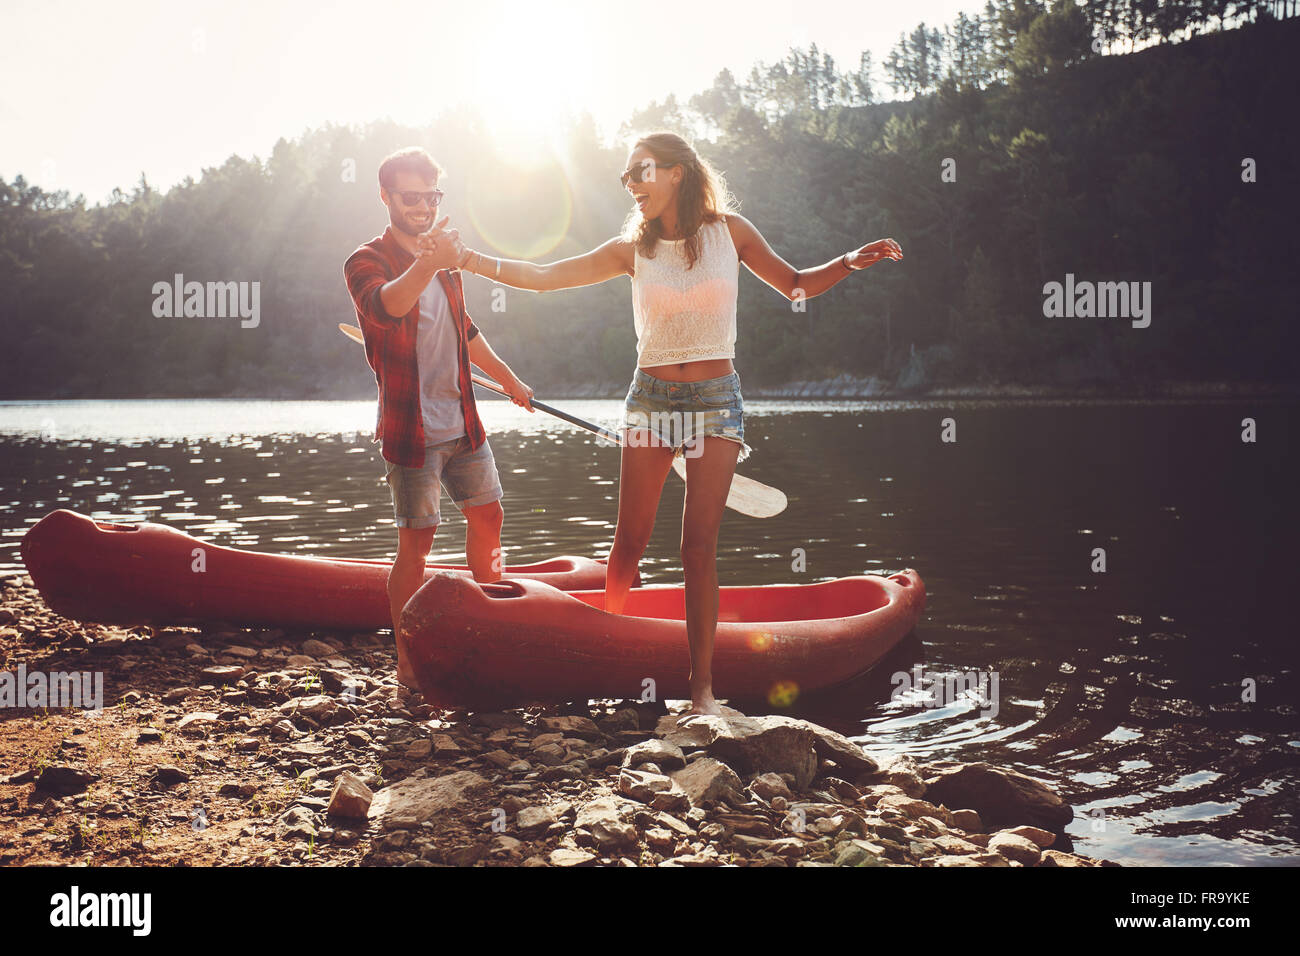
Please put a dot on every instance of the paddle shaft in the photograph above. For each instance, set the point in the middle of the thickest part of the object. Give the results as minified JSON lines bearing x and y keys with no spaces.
{"x":552,"y":410}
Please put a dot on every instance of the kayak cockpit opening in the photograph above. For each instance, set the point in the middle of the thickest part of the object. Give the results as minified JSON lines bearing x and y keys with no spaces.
{"x":503,"y":589}
{"x":826,"y":600}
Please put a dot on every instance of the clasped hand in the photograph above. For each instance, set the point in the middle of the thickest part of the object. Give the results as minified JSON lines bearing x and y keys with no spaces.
{"x":440,"y":247}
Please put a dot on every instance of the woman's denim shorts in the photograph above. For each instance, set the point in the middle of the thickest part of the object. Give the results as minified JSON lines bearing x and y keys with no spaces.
{"x":681,"y":414}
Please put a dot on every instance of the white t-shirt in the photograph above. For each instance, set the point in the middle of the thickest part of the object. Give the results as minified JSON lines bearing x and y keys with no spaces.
{"x":438,"y":360}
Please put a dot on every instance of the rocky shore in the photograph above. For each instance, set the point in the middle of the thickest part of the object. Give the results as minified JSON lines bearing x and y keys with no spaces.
{"x":238,"y":746}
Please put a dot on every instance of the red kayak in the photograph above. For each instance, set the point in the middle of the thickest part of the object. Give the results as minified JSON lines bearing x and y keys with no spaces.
{"x":147,"y":573}
{"x":509,"y":644}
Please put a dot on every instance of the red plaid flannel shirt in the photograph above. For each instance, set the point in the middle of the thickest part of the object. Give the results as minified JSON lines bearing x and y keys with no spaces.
{"x":390,"y":349}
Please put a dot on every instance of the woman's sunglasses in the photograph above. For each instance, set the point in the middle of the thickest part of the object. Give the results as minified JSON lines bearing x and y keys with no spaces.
{"x":642,"y":171}
{"x":411,"y":198}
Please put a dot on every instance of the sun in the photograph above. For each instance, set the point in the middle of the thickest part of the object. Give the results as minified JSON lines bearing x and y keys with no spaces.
{"x":531,"y":79}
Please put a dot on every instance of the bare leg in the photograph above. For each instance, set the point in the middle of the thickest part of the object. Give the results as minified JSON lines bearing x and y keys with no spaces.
{"x":708,"y":480}
{"x":483,"y":542}
{"x":404,"y":579}
{"x":642,"y":471}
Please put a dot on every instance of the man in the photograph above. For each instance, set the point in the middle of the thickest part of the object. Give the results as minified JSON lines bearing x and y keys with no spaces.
{"x":420,"y":342}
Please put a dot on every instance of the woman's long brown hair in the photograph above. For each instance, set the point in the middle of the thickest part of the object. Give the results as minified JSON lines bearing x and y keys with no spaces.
{"x":702,"y":196}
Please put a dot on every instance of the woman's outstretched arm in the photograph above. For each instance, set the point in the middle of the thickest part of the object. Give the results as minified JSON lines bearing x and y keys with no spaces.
{"x":605,"y":262}
{"x":761,"y":260}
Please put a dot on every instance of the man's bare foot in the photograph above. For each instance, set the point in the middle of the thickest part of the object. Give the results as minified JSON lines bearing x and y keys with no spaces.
{"x":405,"y":675}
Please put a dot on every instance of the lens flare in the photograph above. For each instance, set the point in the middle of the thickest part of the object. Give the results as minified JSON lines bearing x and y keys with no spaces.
{"x":522,"y":210}
{"x":783,"y":693}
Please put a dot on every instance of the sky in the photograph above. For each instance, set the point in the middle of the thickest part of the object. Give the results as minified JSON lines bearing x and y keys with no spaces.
{"x":92,"y":93}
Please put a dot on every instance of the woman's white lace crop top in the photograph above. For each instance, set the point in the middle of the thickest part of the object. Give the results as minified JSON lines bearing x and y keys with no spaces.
{"x":686,"y":315}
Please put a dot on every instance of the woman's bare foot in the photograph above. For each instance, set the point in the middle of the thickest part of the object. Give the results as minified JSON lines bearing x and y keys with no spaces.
{"x":702,"y":703}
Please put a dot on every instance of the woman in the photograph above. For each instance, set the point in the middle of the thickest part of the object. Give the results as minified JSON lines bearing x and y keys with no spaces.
{"x":682,"y":246}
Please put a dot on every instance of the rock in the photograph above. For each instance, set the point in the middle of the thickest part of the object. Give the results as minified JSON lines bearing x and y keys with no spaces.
{"x":955,"y":844}
{"x":901,"y":771}
{"x":665,"y":755}
{"x":947,"y":862}
{"x":300,"y":660}
{"x":149,"y":735}
{"x":860,"y":853}
{"x":496,"y":721}
{"x":760,"y":744}
{"x":705,"y":781}
{"x":507,"y":845}
{"x":967,"y":820}
{"x":167,"y":776}
{"x":566,"y":856}
{"x":1016,"y":848}
{"x":411,"y":802}
{"x":608,"y":820}
{"x":222,"y":673}
{"x":916,"y":809}
{"x":642,"y":786}
{"x":57,"y":778}
{"x":791,"y":847}
{"x":623,"y":719}
{"x":445,"y":746}
{"x":296,"y":823}
{"x":351,"y":798}
{"x":315,"y":648}
{"x":318,"y":707}
{"x":672,"y":801}
{"x":660,"y":840}
{"x":1057,"y":858}
{"x":583,"y":727}
{"x":551,"y":755}
{"x":1002,"y":798}
{"x":832,"y":746}
{"x":1041,"y":838}
{"x":767,"y":786}
{"x":238,"y":650}
{"x":196,"y":724}
{"x":534,"y":818}
{"x":419,"y":749}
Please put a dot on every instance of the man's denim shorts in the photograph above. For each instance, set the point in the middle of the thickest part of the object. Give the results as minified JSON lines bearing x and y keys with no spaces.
{"x":682,"y":413}
{"x":470,"y":477}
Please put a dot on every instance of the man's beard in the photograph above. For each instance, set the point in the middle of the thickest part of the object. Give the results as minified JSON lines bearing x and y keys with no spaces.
{"x":400,"y":224}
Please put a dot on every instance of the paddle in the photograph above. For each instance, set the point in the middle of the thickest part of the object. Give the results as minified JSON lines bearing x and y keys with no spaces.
{"x":747,"y":496}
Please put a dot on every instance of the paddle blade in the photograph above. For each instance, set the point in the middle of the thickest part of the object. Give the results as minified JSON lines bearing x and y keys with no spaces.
{"x":747,"y":496}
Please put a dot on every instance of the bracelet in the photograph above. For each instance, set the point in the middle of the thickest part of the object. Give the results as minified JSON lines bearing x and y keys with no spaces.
{"x":498,"y":275}
{"x":844,"y":261}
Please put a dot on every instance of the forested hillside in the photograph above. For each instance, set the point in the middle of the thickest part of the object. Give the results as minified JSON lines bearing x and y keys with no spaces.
{"x":1120,"y":141}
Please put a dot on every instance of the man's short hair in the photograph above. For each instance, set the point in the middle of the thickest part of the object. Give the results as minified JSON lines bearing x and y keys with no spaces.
{"x":413,"y":159}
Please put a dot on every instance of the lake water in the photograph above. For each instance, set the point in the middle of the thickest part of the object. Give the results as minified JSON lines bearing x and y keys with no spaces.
{"x":1127,"y":690}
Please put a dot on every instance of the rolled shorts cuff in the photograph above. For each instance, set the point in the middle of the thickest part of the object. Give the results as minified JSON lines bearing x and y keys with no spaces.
{"x":487,"y":497}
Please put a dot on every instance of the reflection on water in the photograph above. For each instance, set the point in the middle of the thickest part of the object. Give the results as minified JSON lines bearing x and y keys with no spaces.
{"x":1129,"y":690}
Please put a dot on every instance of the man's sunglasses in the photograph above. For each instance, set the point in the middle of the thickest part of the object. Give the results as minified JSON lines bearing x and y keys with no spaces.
{"x":412,"y":197}
{"x":642,"y":171}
